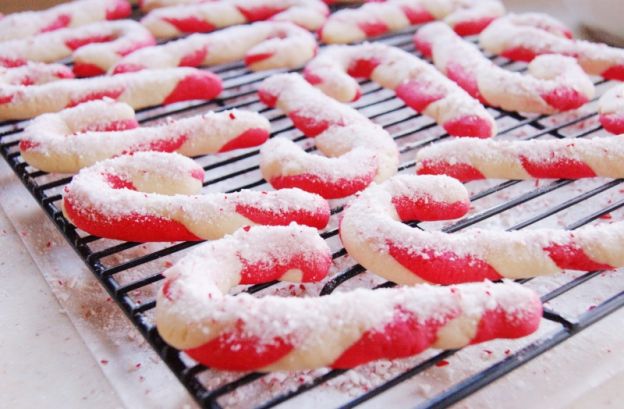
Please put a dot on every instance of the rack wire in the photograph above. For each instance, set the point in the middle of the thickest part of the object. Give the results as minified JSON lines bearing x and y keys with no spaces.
{"x":111,"y":260}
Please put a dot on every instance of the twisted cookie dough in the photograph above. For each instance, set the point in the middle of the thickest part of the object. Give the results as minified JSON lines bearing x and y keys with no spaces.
{"x":153,"y":196}
{"x":194,"y":313}
{"x":72,"y":14}
{"x":611,"y":110}
{"x":372,"y":233}
{"x":556,"y":83}
{"x":94,"y":47}
{"x":262,"y":45}
{"x":80,"y":136}
{"x":137,"y":89}
{"x":208,"y":16}
{"x":525,"y":36}
{"x":34,"y":74}
{"x":359,"y":151}
{"x":466,"y":17}
{"x":415,"y":81}
{"x":553,"y":158}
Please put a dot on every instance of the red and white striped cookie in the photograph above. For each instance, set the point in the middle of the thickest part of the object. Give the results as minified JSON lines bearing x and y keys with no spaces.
{"x":611,"y":110}
{"x":553,"y":158}
{"x":555,"y":83}
{"x":262,"y":45}
{"x":72,"y":14}
{"x":195,"y":313}
{"x":138,"y":89}
{"x":208,"y":16}
{"x":466,"y":17}
{"x":359,"y":151}
{"x":372,"y":233}
{"x":154,"y":196}
{"x":415,"y":81}
{"x":80,"y":136}
{"x":522,"y":37}
{"x":94,"y":47}
{"x":34,"y":74}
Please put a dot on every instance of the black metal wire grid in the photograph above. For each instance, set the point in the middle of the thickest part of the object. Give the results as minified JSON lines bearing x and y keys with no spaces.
{"x":109,"y":260}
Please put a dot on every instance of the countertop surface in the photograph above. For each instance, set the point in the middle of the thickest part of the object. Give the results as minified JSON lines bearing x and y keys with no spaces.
{"x":45,"y":361}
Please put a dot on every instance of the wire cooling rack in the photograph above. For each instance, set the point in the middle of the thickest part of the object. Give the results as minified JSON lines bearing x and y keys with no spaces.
{"x":130,"y":272}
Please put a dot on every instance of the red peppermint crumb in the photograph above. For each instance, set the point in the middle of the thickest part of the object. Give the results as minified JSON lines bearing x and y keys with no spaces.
{"x":487,"y":351}
{"x":606,"y":216}
{"x":508,"y":352}
{"x":49,"y":244}
{"x":104,"y":361}
{"x":591,"y":307}
{"x":442,"y":363}
{"x":167,"y":264}
{"x":138,"y":365}
{"x":232,"y":116}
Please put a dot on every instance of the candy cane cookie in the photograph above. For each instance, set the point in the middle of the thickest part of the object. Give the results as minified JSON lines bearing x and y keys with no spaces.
{"x":523,"y":37}
{"x":154,"y":196}
{"x":262,"y":45}
{"x":372,"y":233}
{"x":34,"y":74}
{"x":195,"y":313}
{"x":466,"y":17}
{"x":555,"y":83}
{"x":553,"y":158}
{"x":611,"y":110}
{"x":147,"y":5}
{"x":72,"y":14}
{"x":208,"y":16}
{"x":94,"y":47}
{"x":415,"y":81}
{"x":359,"y":151}
{"x":78,"y":137}
{"x":137,"y":89}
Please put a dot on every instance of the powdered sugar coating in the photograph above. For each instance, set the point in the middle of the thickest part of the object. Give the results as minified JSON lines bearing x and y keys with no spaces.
{"x":364,"y":226}
{"x":243,"y":332}
{"x":94,"y":47}
{"x":263,"y":45}
{"x":417,"y":82}
{"x":139,"y":90}
{"x":152,"y":196}
{"x":467,"y":17}
{"x":371,"y":232}
{"x":556,"y":158}
{"x":525,"y":36}
{"x":34,"y":74}
{"x":80,"y":136}
{"x":611,"y":110}
{"x":556,"y":83}
{"x":73,"y":14}
{"x":359,"y":151}
{"x":177,"y":20}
